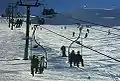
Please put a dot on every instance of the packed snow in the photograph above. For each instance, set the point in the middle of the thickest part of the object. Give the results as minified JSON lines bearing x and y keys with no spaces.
{"x":96,"y":66}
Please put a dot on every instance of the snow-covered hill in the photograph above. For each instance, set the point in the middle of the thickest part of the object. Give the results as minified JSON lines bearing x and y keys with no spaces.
{"x":97,"y":67}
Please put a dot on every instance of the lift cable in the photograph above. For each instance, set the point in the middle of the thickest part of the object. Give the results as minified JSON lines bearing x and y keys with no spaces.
{"x":77,"y":42}
{"x":104,"y":31}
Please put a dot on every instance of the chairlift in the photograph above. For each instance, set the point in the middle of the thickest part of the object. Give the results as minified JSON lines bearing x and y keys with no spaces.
{"x":19,"y":14}
{"x":37,"y":51}
{"x":48,"y":13}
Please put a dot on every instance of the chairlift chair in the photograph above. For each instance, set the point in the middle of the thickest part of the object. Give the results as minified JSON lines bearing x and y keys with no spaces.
{"x":48,"y":13}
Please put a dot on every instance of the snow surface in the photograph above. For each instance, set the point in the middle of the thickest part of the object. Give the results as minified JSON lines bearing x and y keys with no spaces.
{"x":97,"y":67}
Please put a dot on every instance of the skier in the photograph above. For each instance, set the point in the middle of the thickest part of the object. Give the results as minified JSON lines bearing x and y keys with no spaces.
{"x":63,"y":49}
{"x":41,"y":64}
{"x":86,"y":35}
{"x":88,"y":30}
{"x":40,"y":28}
{"x":20,"y":22}
{"x":37,"y":62}
{"x":73,"y":34}
{"x":79,"y":59}
{"x":72,"y":58}
{"x":109,"y":32}
{"x":65,"y":27}
{"x":34,"y":65}
{"x":17,"y":23}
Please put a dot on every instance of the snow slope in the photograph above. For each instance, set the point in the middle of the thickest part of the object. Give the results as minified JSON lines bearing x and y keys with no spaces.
{"x":97,"y":67}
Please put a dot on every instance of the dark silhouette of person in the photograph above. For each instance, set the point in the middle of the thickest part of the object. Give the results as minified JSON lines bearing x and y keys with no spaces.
{"x":73,"y":34}
{"x":37,"y":62}
{"x":72,"y":58}
{"x":65,"y":27}
{"x":109,"y":32}
{"x":63,"y":49}
{"x":86,"y":35}
{"x":88,"y":30}
{"x":79,"y":59}
{"x":61,"y":27}
{"x":20,"y":22}
{"x":34,"y":65}
{"x":40,"y":28}
{"x":41,"y":64}
{"x":17,"y":23}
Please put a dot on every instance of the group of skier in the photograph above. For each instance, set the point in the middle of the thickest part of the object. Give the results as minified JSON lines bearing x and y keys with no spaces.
{"x":63,"y":27}
{"x":37,"y":64}
{"x":17,"y":23}
{"x":75,"y":59}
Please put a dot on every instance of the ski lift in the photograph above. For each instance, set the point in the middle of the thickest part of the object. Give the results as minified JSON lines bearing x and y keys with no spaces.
{"x":48,"y":13}
{"x":36,"y":48}
{"x":19,"y":14}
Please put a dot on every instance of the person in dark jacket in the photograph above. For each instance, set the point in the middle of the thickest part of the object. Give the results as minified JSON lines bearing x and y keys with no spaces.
{"x":109,"y":32}
{"x":34,"y":65}
{"x":87,"y":30}
{"x":65,"y":27}
{"x":72,"y":58}
{"x":41,"y":64}
{"x":73,"y":34}
{"x":79,"y":59}
{"x":63,"y":49}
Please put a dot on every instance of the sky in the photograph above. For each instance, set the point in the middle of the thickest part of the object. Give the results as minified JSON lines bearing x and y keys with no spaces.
{"x":69,"y":5}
